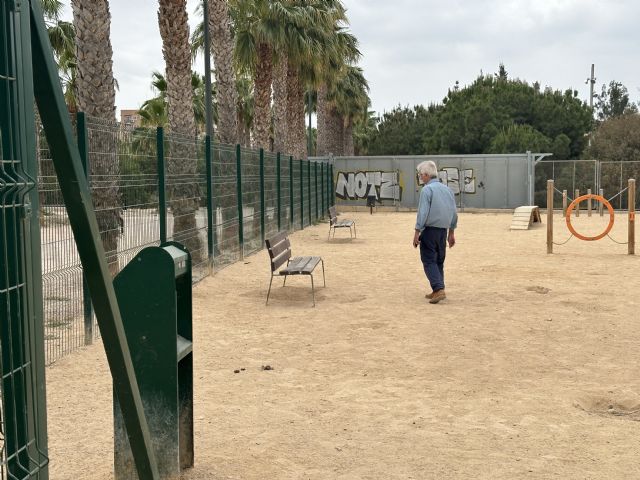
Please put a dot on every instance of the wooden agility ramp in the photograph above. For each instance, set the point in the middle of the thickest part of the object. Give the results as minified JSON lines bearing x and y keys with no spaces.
{"x":524,"y":217}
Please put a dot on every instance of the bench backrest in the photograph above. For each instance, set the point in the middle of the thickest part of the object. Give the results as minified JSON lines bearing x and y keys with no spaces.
{"x":333,"y":215}
{"x":279,"y":250}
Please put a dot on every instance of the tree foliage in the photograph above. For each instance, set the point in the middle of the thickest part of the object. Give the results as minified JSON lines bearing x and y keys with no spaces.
{"x":613,"y":101}
{"x":494,"y":114}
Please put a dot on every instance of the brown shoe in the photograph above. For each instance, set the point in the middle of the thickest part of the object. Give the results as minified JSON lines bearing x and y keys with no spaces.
{"x":437,"y":296}
{"x":429,"y":296}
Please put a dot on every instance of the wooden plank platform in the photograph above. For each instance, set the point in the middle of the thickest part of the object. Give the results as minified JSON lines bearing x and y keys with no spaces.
{"x":524,"y":217}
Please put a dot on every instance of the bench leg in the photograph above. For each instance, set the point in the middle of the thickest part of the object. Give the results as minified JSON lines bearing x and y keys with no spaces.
{"x":313,"y":292}
{"x":355,"y":233}
{"x":285,"y":277}
{"x":351,"y":233}
{"x":270,"y":282}
{"x":323,"y":279}
{"x":329,"y":237}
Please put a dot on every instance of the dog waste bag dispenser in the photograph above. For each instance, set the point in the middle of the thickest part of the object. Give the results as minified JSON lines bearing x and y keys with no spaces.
{"x":154,"y":295}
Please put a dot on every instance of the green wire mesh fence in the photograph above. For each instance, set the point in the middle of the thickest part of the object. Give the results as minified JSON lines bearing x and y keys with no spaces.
{"x":149,"y":187}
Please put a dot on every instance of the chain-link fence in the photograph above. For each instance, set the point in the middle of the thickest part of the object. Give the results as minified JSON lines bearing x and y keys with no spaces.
{"x":580,"y":176}
{"x":149,"y":187}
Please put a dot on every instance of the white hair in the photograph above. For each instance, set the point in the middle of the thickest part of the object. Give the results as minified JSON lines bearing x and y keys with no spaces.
{"x":428,"y":167}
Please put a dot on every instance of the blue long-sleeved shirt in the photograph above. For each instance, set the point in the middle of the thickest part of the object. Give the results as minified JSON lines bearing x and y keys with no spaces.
{"x":436,"y":207}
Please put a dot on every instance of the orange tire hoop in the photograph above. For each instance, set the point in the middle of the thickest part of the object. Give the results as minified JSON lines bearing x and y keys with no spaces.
{"x":600,"y":199}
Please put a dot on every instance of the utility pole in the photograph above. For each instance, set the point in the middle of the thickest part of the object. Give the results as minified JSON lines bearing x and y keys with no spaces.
{"x":591,"y":81}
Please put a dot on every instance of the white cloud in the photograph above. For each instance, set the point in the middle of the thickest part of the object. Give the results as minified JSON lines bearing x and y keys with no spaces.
{"x":414,"y":50}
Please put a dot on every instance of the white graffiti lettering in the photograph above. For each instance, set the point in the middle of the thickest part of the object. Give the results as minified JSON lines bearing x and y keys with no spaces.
{"x":360,"y":185}
{"x":450,"y":176}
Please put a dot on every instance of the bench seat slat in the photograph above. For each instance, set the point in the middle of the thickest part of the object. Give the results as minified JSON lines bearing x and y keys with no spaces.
{"x":343,"y":223}
{"x":300,"y":266}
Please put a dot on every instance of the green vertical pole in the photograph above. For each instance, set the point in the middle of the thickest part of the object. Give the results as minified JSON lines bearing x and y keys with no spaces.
{"x":332,"y":200}
{"x":291,"y":190}
{"x":301,"y":196}
{"x":279,"y":191}
{"x":162,"y":185}
{"x":309,"y":188}
{"x":315,"y":168}
{"x":83,"y":147}
{"x":210,"y":227}
{"x":262,"y":195}
{"x":322,"y":187}
{"x":239,"y":195}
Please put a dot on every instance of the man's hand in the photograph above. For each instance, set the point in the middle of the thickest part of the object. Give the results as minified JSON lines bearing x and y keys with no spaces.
{"x":416,"y":238}
{"x":451,"y":239}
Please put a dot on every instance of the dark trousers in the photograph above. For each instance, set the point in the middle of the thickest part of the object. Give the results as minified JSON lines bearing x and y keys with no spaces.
{"x":433,"y":248}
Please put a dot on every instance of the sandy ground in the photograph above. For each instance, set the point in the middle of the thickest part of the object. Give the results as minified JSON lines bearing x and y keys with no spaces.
{"x":529,"y":369}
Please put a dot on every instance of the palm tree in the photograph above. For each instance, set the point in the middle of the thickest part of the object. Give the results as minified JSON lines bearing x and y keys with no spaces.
{"x":258,"y":30}
{"x":342,"y":51}
{"x":222,"y":44}
{"x":182,"y":161}
{"x":245,"y":109}
{"x":351,"y":100}
{"x":62,"y":39}
{"x":95,"y":95}
{"x":153,"y":111}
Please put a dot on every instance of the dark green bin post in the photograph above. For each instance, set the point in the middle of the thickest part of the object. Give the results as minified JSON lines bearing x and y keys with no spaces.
{"x":332,"y":200}
{"x":158,"y":326}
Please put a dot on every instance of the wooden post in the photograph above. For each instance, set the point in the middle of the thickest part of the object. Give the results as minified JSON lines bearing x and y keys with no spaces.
{"x":589,"y":203}
{"x":578,"y":205}
{"x":632,"y":216}
{"x":601,"y":205}
{"x":564,"y":203}
{"x":549,"y":216}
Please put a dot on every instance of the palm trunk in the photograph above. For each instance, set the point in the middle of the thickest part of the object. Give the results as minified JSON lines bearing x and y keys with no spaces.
{"x":222,"y":50}
{"x":349,"y":148}
{"x":181,"y":154}
{"x":296,"y":137}
{"x":322,"y":139}
{"x":262,"y":109}
{"x":280,"y":105}
{"x":336,"y":132}
{"x":95,"y":96}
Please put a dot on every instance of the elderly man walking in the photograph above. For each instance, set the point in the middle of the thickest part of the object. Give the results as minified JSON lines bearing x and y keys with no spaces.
{"x":436,"y":214}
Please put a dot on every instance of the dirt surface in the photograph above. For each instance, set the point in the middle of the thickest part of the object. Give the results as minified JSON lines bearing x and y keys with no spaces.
{"x":527,"y":370}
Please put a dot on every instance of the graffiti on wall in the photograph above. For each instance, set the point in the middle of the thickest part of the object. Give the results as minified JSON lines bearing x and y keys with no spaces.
{"x":450,"y":176}
{"x":360,"y":185}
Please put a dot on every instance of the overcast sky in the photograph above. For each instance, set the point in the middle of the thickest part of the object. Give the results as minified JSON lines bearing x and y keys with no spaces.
{"x":414,"y":50}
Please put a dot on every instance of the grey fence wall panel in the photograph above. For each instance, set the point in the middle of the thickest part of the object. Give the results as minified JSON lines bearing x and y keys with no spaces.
{"x":479,"y":181}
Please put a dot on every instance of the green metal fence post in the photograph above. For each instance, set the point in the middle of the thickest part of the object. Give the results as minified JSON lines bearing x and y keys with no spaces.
{"x":210,"y":228}
{"x":309,"y":189}
{"x":83,"y":147}
{"x":162,"y":185}
{"x":279,"y":191}
{"x":332,"y":200}
{"x":315,"y":168}
{"x":291,"y":191}
{"x":239,"y":195}
{"x":301,"y":197}
{"x":262,"y":195}
{"x":322,"y":187}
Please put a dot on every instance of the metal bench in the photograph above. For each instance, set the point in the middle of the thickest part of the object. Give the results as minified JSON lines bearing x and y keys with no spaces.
{"x":335,"y":223}
{"x":279,"y":249}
